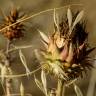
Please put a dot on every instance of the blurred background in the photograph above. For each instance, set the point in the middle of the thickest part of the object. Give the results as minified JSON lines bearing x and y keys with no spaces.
{"x":44,"y":22}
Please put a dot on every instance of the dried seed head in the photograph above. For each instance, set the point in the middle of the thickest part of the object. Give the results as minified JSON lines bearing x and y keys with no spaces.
{"x":15,"y":31}
{"x":68,"y":47}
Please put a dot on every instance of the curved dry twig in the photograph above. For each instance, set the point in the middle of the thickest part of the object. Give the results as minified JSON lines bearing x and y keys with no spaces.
{"x":21,"y":75}
{"x":41,"y":12}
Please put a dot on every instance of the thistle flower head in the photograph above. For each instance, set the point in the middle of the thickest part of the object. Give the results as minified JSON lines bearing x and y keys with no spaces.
{"x":67,"y":48}
{"x":15,"y":31}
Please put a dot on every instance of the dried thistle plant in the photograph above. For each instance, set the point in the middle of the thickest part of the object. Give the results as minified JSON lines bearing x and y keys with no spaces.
{"x":66,"y":55}
{"x":11,"y":33}
{"x":67,"y":52}
{"x":16,"y":31}
{"x":67,"y":48}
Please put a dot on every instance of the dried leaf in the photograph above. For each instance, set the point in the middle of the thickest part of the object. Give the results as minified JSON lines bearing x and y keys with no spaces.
{"x":23,"y":47}
{"x":56,"y":20}
{"x":19,"y":47}
{"x":39,"y":84}
{"x":45,"y":44}
{"x":77,"y":90}
{"x":21,"y":90}
{"x":44,"y":37}
{"x":43,"y":78}
{"x":78,"y":18}
{"x":69,"y":16}
{"x":23,"y":60}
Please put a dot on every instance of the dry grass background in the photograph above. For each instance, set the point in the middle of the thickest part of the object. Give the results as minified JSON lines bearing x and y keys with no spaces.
{"x":32,"y":37}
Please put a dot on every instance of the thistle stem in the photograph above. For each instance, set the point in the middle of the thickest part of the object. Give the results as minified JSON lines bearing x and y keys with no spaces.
{"x":8,"y":46}
{"x":60,"y":88}
{"x":8,"y":88}
{"x":7,"y":64}
{"x":52,"y":92}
